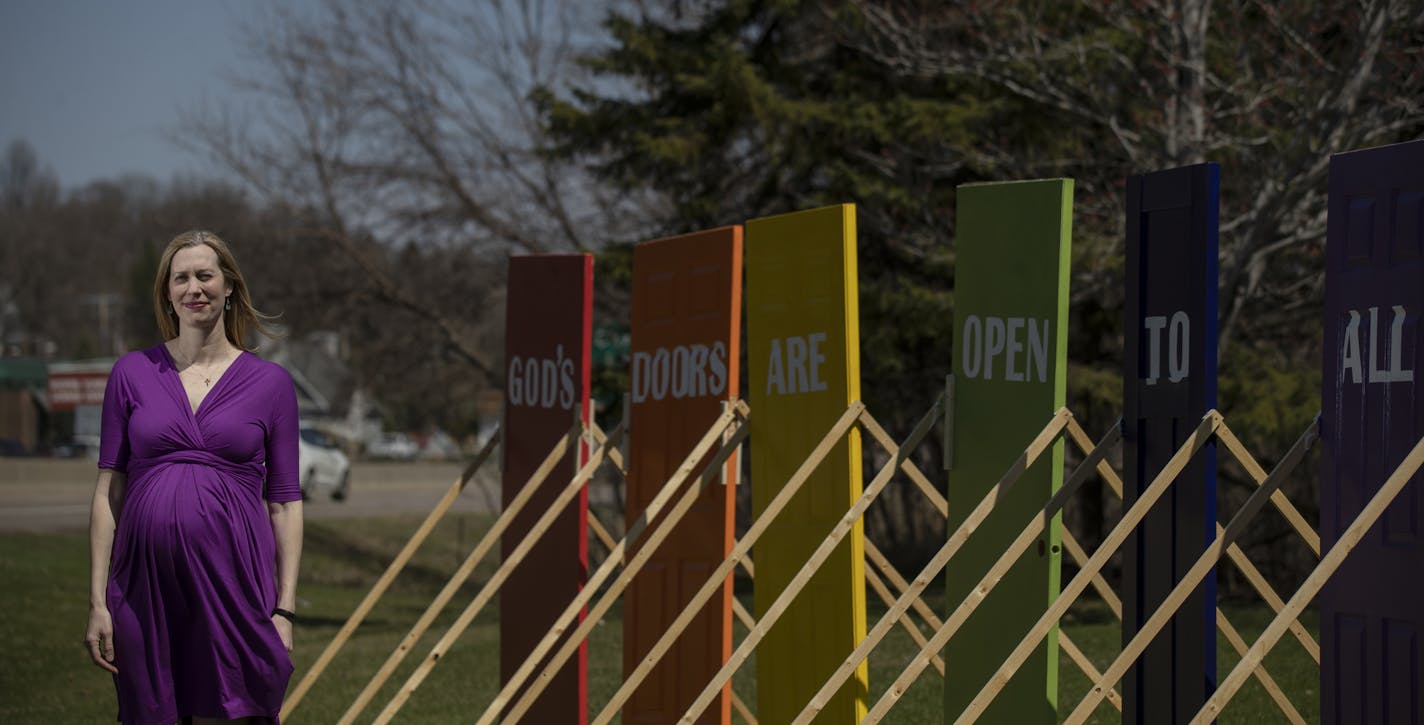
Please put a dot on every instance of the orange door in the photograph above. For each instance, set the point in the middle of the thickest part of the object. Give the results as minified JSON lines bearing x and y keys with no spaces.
{"x":686,"y":320}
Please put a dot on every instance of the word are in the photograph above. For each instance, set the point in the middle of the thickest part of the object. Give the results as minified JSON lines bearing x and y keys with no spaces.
{"x":1179,"y":346}
{"x":541,"y":382}
{"x":1351,"y":362}
{"x":794,"y":365}
{"x":987,"y":342}
{"x":686,"y":371}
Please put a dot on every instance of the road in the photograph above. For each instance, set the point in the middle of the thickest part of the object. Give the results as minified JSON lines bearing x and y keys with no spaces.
{"x":41,"y":494}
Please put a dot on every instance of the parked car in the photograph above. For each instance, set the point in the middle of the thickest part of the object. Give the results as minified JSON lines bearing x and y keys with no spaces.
{"x":395,"y":446}
{"x":11,"y":447}
{"x":325,"y":469}
{"x":80,"y":446}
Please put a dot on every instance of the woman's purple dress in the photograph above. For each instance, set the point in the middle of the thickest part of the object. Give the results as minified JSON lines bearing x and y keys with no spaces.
{"x":192,"y":581}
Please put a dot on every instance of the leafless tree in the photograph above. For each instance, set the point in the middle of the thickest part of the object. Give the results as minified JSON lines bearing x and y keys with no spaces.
{"x":408,"y":123}
{"x":1269,"y":90}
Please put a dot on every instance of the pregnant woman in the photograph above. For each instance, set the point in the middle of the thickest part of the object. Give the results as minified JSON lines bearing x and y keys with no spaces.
{"x":196,"y":526}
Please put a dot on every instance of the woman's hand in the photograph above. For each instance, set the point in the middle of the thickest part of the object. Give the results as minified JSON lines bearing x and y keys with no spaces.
{"x":99,"y":638}
{"x":284,"y":630}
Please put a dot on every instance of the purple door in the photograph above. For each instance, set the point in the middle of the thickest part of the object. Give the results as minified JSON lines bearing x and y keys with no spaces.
{"x":1372,"y":412}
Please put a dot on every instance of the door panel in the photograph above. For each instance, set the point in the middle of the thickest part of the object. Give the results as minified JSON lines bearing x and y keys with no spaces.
{"x":1371,"y":414}
{"x":686,"y":323}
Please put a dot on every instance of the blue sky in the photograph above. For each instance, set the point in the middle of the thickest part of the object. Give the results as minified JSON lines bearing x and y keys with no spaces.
{"x":95,"y":85}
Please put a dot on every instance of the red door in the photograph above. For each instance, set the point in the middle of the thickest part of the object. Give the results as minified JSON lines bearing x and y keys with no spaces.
{"x":1372,"y":413}
{"x":548,"y":335}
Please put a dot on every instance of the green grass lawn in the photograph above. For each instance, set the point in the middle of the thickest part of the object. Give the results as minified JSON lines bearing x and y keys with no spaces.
{"x":46,"y":677}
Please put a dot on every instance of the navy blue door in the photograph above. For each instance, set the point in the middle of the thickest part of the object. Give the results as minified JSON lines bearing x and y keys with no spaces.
{"x":1372,"y":610}
{"x":1169,"y":383}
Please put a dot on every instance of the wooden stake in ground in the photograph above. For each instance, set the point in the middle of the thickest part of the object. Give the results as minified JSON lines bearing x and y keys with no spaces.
{"x":457,"y":579}
{"x":379,"y":588}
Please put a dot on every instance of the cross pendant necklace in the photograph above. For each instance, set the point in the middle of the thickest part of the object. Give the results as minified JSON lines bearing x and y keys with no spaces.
{"x":190,"y":365}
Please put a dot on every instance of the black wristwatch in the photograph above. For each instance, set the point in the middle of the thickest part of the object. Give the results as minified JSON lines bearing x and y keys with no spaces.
{"x":286,"y":614}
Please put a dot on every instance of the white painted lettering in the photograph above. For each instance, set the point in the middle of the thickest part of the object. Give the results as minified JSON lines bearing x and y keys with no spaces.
{"x":796,"y":364}
{"x":541,"y":383}
{"x":1012,"y":349}
{"x":775,"y":375}
{"x":1154,"y":325}
{"x":696,"y":371}
{"x":685,"y":371}
{"x":1351,"y":355}
{"x":1376,"y":375}
{"x":681,"y":380}
{"x":662,"y":373}
{"x":799,"y":371}
{"x":717,"y":362}
{"x":1396,"y":349}
{"x":971,"y":346}
{"x":1350,"y":348}
{"x":1038,"y":350}
{"x":1179,"y":342}
{"x":817,"y":357}
{"x":993,"y":343}
{"x":1023,"y":342}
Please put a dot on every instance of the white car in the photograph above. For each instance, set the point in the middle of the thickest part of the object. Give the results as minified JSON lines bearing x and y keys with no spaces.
{"x":394,"y":446}
{"x":325,"y":469}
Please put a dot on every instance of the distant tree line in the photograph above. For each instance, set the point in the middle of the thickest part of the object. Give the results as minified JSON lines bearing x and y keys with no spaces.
{"x":77,"y":269}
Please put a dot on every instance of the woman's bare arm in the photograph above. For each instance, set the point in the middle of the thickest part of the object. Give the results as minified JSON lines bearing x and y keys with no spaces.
{"x":103,"y":518}
{"x":287,"y":529}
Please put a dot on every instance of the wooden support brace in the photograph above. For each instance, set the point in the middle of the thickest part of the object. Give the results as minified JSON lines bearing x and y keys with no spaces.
{"x":615,"y":455}
{"x":913,"y":472}
{"x":1283,"y":504}
{"x":878,"y":585}
{"x":1076,"y":586}
{"x":1066,"y":644}
{"x":1189,"y":581}
{"x":879,"y":561}
{"x":1079,"y":556}
{"x":1238,"y":557}
{"x":617,"y":556}
{"x":461,"y":574}
{"x":758,"y":527}
{"x":379,"y":588}
{"x":741,"y":708}
{"x":1313,"y":584}
{"x":1086,"y":445}
{"x":1100,"y":585}
{"x":601,"y":533}
{"x":828,"y":545}
{"x":956,"y":541}
{"x":1267,"y":682}
{"x":664,"y":526}
{"x":491,"y":587}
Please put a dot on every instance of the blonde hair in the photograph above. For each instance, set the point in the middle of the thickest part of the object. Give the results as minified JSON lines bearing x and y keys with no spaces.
{"x":238,"y":321}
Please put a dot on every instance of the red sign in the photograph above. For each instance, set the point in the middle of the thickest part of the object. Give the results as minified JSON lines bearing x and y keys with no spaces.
{"x":548,"y":339}
{"x":68,"y":391}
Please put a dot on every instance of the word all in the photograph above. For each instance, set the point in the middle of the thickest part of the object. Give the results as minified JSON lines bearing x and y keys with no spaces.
{"x":1352,"y":363}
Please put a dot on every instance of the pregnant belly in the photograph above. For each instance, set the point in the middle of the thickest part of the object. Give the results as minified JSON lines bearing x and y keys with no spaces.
{"x":194,"y":506}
